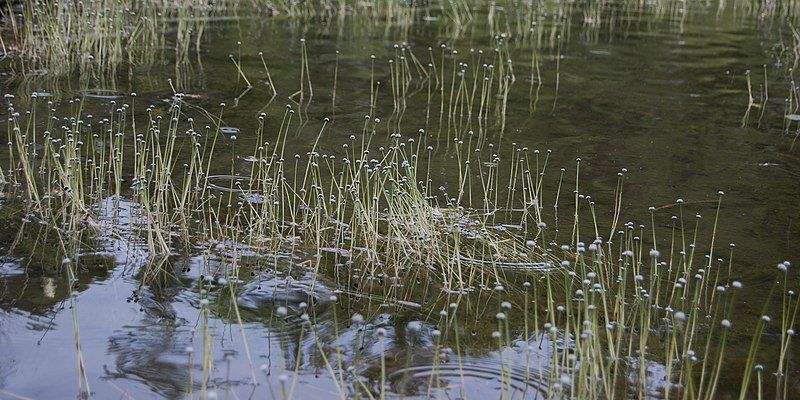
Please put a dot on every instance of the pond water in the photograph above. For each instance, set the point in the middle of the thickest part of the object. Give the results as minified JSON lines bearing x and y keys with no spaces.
{"x":659,"y":88}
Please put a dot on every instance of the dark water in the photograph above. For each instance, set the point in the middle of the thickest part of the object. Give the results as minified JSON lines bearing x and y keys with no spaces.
{"x":658,"y":88}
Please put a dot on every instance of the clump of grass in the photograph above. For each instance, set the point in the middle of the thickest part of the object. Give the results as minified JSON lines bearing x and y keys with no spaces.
{"x":616,"y":305}
{"x":375,"y":212}
{"x":95,"y":37}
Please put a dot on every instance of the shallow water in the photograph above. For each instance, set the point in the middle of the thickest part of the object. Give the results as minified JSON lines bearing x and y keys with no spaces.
{"x":657,"y":88}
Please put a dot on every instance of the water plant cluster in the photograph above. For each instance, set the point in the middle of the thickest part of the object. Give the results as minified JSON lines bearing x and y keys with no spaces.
{"x":612,"y":299}
{"x":97,"y":38}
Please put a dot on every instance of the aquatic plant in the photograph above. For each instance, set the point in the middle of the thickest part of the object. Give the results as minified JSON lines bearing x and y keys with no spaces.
{"x":371,"y":217}
{"x":94,"y":38}
{"x":598,"y":301}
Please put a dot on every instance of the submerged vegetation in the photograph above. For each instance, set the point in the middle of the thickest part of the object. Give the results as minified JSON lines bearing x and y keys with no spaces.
{"x":387,"y":231}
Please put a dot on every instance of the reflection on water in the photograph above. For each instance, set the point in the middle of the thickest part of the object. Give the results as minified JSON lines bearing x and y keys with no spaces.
{"x":153,"y":355}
